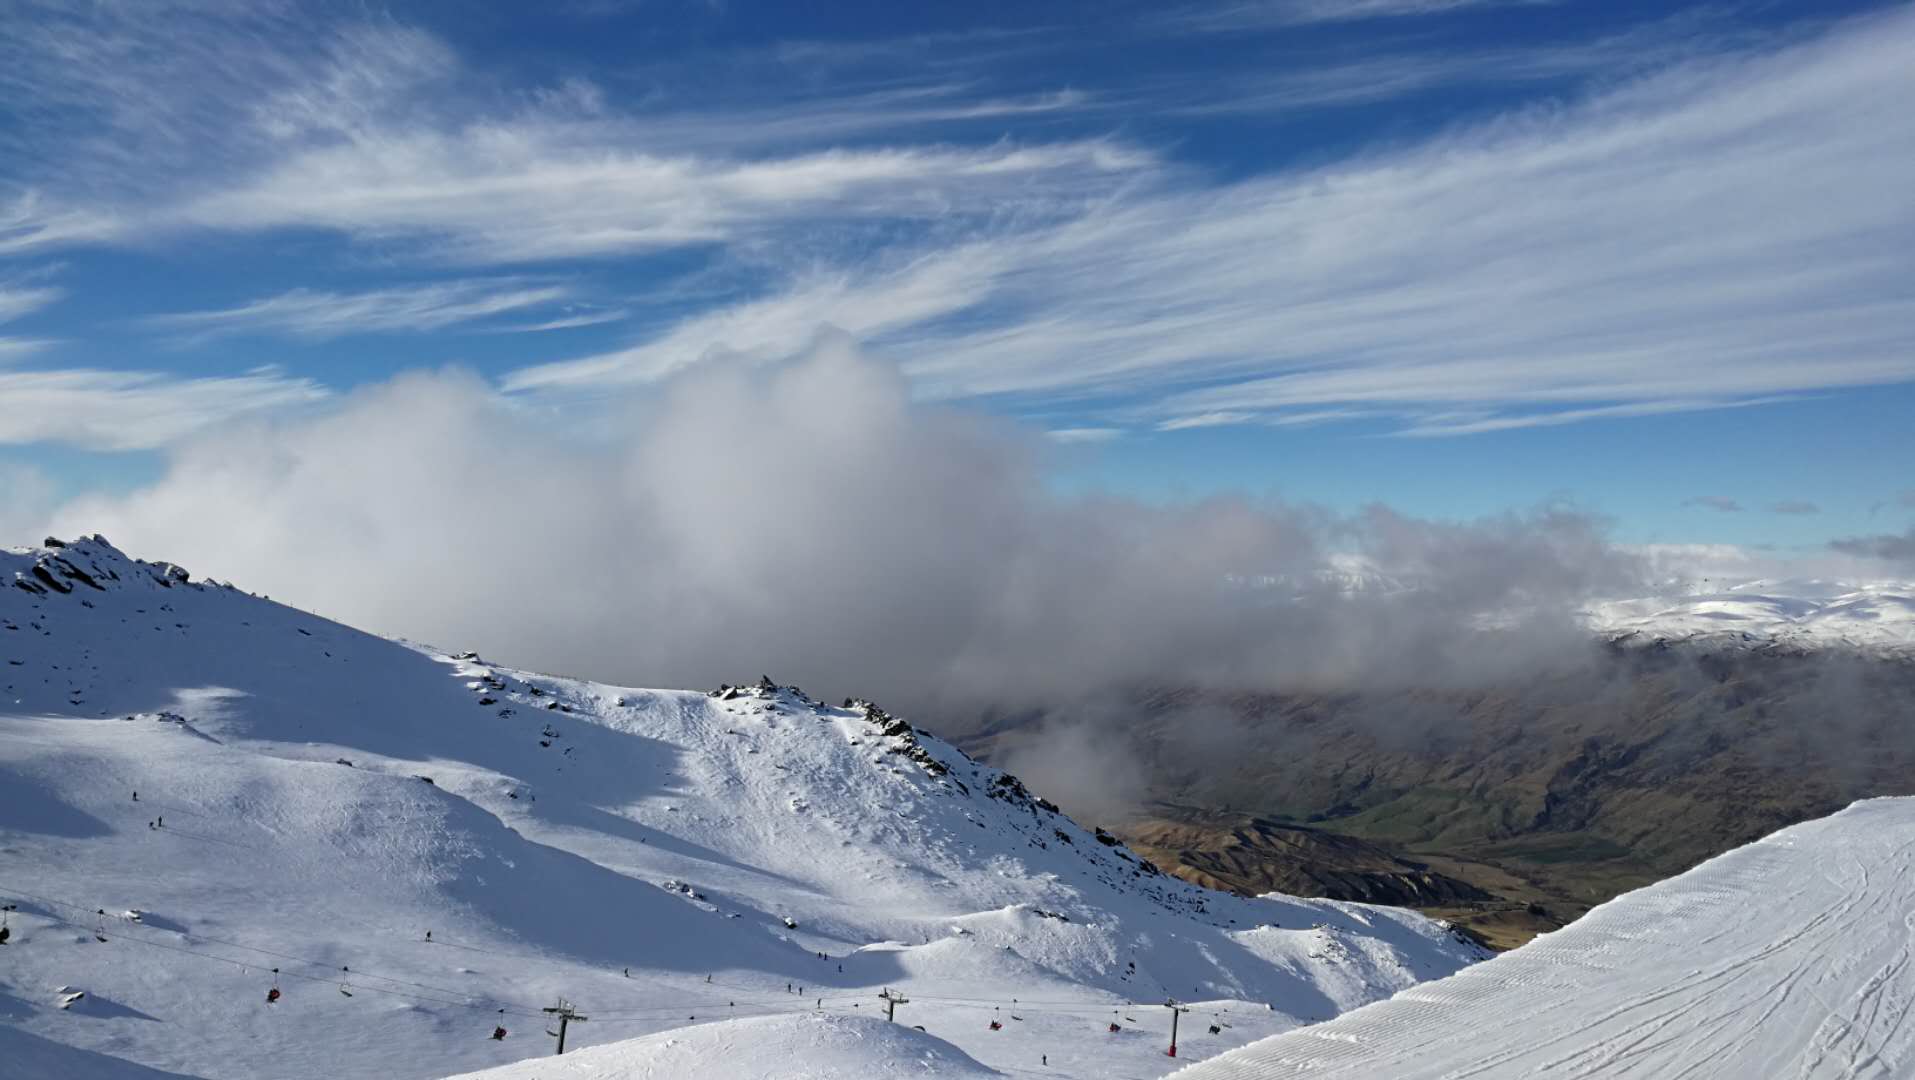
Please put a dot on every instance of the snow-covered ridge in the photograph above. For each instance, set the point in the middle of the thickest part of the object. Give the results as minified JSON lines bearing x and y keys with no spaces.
{"x":1787,"y":957}
{"x":1791,"y":615}
{"x":87,"y":563}
{"x":1794,"y":615}
{"x":219,"y":786}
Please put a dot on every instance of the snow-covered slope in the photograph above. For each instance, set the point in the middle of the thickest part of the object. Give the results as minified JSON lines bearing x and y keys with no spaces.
{"x":1788,"y":957}
{"x":1797,"y":615}
{"x":427,"y":845}
{"x":800,"y":1047}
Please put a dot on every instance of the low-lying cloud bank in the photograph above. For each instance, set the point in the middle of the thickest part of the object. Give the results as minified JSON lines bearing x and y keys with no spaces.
{"x":1897,"y":549}
{"x":812,"y":522}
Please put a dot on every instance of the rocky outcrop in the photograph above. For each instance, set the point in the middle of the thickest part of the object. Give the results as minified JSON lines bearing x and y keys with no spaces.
{"x":1260,"y":856}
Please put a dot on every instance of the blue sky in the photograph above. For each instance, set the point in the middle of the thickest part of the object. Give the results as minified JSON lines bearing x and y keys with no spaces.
{"x":1459,"y":256}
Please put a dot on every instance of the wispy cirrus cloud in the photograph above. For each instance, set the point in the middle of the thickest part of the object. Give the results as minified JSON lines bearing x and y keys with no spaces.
{"x":1081,"y":435}
{"x":1283,"y":13}
{"x":1375,"y":74}
{"x":541,"y":192}
{"x":11,"y":347}
{"x":1725,"y":233}
{"x":1720,"y":503}
{"x":16,"y":301}
{"x":579,"y":318}
{"x":1798,"y":507}
{"x":320,"y":316}
{"x":138,"y":410}
{"x":29,"y":222}
{"x":258,"y":121}
{"x":773,"y":328}
{"x":1728,"y":231}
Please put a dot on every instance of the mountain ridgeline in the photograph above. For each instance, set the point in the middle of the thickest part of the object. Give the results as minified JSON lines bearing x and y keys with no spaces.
{"x":231,"y":830}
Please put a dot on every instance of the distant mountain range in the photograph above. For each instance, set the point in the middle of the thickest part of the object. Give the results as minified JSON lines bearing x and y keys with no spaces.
{"x":1693,"y":722}
{"x":1798,"y":614}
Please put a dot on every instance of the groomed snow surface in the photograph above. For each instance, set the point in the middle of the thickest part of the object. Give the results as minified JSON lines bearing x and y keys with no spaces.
{"x":316,"y":799}
{"x":812,"y":1047}
{"x":1785,"y":958}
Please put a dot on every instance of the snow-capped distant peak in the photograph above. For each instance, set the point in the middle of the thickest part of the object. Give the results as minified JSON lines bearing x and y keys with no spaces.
{"x":1800,"y":614}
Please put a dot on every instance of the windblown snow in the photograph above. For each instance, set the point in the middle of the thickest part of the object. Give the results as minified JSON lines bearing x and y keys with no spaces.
{"x":205,"y":796}
{"x":1787,"y":957}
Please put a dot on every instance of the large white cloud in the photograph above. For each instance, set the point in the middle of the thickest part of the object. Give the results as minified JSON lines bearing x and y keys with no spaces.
{"x":812,"y":522}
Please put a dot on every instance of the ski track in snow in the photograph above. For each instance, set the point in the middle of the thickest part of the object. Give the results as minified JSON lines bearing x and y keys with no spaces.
{"x":1785,"y":958}
{"x":570,"y":831}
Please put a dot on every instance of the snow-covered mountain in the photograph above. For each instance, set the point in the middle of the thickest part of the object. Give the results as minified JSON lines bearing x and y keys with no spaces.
{"x":199,"y":786}
{"x":1792,"y":614}
{"x":1787,"y":957}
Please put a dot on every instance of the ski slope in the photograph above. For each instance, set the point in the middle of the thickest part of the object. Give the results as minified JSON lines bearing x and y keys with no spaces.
{"x":428,"y":845}
{"x":1785,"y":958}
{"x":804,"y":1047}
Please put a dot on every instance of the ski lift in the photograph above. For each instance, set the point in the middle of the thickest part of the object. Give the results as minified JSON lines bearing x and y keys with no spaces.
{"x":995,"y":1025}
{"x":272,"y":995}
{"x":5,"y":930}
{"x":1114,"y":1028}
{"x":99,"y":926}
{"x":1215,"y":1030}
{"x":345,"y":986}
{"x":498,"y":1030}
